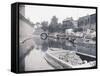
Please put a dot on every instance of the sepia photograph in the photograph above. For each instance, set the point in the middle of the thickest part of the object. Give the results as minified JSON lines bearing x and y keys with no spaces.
{"x":54,"y":37}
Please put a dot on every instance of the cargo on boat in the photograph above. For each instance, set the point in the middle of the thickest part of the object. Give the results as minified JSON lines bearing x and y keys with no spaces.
{"x":63,"y":59}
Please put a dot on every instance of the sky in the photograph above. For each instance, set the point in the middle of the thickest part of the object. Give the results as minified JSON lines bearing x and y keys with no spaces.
{"x":45,"y":13}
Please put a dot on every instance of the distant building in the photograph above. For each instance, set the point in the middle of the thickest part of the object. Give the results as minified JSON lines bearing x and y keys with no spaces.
{"x":68,"y":23}
{"x":87,"y":22}
{"x":84,"y":22}
{"x":75,"y":23}
{"x":93,"y":21}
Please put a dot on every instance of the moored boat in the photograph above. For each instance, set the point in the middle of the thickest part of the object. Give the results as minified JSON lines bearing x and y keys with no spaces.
{"x":63,"y":59}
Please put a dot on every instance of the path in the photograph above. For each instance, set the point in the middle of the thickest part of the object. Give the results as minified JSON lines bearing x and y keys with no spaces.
{"x":36,"y":61}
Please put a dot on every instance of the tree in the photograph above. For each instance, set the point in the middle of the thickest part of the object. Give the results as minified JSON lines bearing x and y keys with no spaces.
{"x":68,"y":24}
{"x":54,"y":24}
{"x":44,"y":25}
{"x":54,"y":20}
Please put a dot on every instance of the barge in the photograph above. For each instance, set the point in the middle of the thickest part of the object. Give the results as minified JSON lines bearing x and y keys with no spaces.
{"x":55,"y":57}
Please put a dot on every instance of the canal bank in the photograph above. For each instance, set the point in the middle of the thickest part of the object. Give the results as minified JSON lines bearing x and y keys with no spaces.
{"x":35,"y":61}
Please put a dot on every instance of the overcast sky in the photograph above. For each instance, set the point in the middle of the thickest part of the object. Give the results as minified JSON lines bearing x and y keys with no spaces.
{"x":45,"y":13}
